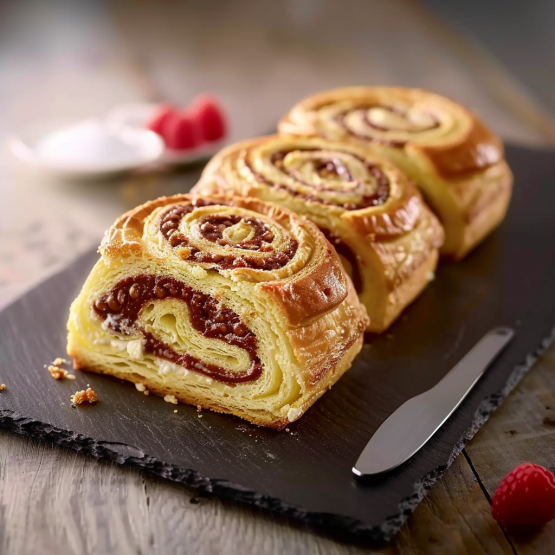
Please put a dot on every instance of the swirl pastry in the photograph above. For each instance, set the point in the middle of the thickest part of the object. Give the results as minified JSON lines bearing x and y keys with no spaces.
{"x":455,"y":160}
{"x":386,"y":236}
{"x":228,"y":303}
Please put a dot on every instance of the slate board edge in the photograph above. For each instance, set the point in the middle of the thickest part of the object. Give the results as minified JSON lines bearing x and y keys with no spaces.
{"x":347,"y":527}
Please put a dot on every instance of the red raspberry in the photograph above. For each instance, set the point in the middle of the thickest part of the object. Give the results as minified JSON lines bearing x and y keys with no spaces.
{"x":210,"y":116}
{"x":161,"y":118}
{"x":525,"y":499}
{"x":182,"y":132}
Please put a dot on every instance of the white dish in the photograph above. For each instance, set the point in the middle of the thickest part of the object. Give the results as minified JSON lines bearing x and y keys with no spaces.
{"x":137,"y":115}
{"x":87,"y":149}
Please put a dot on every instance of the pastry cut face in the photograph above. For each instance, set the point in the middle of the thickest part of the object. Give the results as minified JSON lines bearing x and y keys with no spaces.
{"x":376,"y":219}
{"x":228,"y":303}
{"x":455,"y":160}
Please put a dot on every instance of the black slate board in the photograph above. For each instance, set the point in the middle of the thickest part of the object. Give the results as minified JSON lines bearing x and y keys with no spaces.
{"x":306,"y":473}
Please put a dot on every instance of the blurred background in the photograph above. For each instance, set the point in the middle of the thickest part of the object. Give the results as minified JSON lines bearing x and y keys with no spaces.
{"x":70,"y":60}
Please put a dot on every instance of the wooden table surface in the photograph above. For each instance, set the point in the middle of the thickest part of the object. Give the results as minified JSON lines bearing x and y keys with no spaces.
{"x":67,"y":60}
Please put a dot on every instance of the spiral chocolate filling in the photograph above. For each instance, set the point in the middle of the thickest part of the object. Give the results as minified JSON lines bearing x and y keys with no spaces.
{"x":121,"y":307}
{"x":212,"y":228}
{"x":328,"y":167}
{"x":340,"y":119}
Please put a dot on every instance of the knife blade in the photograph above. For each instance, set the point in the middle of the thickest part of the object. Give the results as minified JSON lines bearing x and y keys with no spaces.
{"x":408,"y":429}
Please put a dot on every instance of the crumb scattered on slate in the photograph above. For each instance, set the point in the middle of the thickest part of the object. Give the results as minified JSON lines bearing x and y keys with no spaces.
{"x":83,"y":396}
{"x":2,"y":386}
{"x":175,"y":410}
{"x":170,"y":399}
{"x":287,"y":429}
{"x":140,"y":387}
{"x":146,"y":392}
{"x":548,"y":421}
{"x":57,"y":373}
{"x":60,"y":373}
{"x":199,"y":408}
{"x":59,"y":361}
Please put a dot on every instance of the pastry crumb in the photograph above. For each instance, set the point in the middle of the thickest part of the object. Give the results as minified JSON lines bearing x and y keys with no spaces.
{"x":83,"y":396}
{"x":200,"y":415}
{"x":141,"y":387}
{"x":175,"y":410}
{"x":59,"y":373}
{"x":293,"y":414}
{"x":170,"y":399}
{"x":286,"y":429}
{"x":58,"y":361}
{"x":199,"y":408}
{"x":2,"y":386}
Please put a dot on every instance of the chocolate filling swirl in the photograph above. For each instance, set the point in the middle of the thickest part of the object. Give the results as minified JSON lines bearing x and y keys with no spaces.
{"x":212,"y":228}
{"x":375,"y":193}
{"x":121,"y":307}
{"x":410,"y":128}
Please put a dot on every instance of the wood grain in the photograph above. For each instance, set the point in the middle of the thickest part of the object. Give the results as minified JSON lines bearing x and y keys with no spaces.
{"x":454,"y":518}
{"x":522,"y":430}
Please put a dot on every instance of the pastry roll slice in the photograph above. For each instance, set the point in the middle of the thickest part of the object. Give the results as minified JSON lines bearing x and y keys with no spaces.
{"x":228,"y":303}
{"x":451,"y":155}
{"x":387,"y":237}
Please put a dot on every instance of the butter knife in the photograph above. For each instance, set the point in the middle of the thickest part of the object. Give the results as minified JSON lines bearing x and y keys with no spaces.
{"x":409,"y":428}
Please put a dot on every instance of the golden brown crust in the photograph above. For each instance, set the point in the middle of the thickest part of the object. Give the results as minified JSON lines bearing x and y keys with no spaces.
{"x":454,"y":158}
{"x":485,"y":211}
{"x":367,"y":206}
{"x":315,"y":343}
{"x":475,"y":151}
